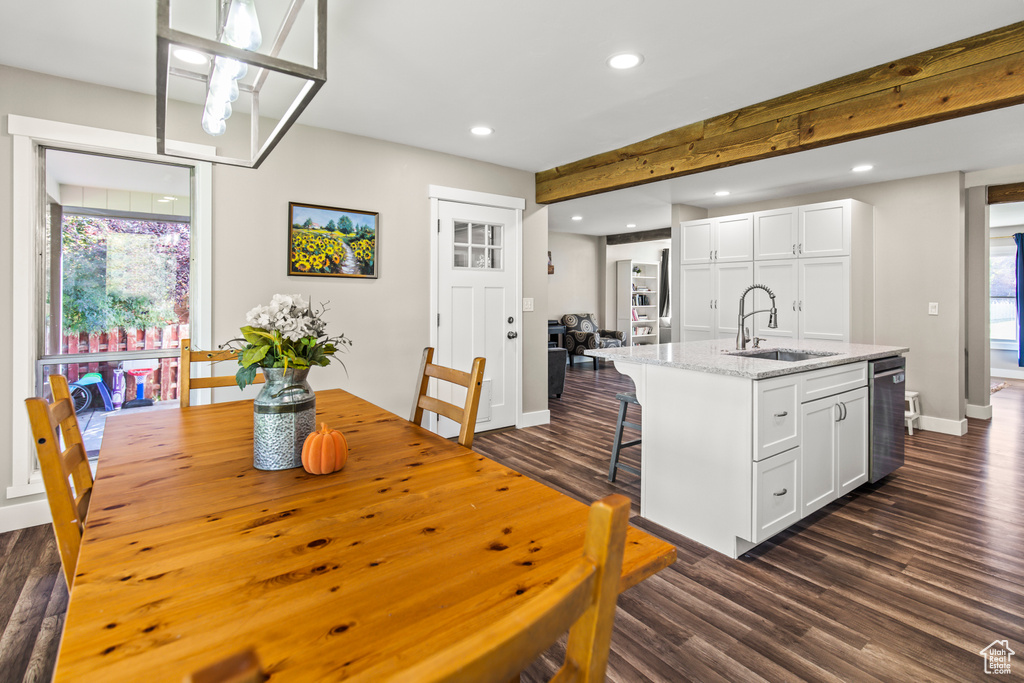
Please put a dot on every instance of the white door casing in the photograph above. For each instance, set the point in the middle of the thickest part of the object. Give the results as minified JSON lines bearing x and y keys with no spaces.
{"x":28,"y":134}
{"x":471,"y":306}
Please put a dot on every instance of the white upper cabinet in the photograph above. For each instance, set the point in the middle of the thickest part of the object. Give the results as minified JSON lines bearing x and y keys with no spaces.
{"x":697,"y":292}
{"x":696,"y":242}
{"x":734,"y":238}
{"x":712,"y":240}
{"x":775,"y":234}
{"x":825,"y":229}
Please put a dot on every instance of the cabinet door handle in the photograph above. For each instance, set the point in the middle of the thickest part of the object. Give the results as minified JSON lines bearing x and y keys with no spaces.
{"x":711,"y":255}
{"x":800,"y":305}
{"x":794,"y":249}
{"x":843,"y":406}
{"x":838,"y":412}
{"x":800,"y":248}
{"x":781,"y":493}
{"x":784,"y":413}
{"x":716,"y":254}
{"x":794,"y":305}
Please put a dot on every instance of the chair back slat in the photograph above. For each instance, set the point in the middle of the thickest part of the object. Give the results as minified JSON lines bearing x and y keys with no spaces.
{"x":465,"y":415}
{"x":581,"y":600}
{"x":69,"y":504}
{"x":186,"y":382}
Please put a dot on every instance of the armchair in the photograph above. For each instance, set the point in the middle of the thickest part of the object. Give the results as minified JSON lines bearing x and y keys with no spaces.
{"x":582,"y":333}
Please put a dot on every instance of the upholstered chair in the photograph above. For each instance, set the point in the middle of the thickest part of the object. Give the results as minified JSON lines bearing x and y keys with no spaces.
{"x":582,"y":333}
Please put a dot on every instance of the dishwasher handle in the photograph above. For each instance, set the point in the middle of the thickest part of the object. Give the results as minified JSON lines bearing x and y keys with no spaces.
{"x":890,"y":373}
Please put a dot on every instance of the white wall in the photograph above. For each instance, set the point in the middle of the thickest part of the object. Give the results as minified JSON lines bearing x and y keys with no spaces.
{"x":644,"y":252}
{"x":387,"y":318}
{"x":573,"y":288}
{"x":919,"y":258}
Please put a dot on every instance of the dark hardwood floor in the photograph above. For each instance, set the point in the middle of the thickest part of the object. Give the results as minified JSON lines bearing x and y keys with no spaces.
{"x":904,"y":580}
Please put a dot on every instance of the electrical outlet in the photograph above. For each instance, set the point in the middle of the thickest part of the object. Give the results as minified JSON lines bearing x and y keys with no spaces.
{"x":527,"y":305}
{"x":933,"y":308}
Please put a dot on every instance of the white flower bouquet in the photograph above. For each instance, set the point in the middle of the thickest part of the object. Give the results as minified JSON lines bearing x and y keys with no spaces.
{"x":286,"y":334}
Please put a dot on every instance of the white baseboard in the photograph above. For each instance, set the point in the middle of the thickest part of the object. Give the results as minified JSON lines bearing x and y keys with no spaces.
{"x":534,"y":419}
{"x":979,"y":412}
{"x":941,"y":425}
{"x":24,"y":515}
{"x":1008,"y":373}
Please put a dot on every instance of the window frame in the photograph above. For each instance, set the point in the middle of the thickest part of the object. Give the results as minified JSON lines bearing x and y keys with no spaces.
{"x":28,"y":135}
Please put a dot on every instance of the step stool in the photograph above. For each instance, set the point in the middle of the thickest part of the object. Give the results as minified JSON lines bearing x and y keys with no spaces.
{"x":624,"y":400}
{"x":913,"y":402}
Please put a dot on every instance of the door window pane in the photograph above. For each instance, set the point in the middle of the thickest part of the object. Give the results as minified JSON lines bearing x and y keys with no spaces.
{"x":477,"y":246}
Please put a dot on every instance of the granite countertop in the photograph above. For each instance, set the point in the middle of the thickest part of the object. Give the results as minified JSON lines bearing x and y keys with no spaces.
{"x":713,"y":356}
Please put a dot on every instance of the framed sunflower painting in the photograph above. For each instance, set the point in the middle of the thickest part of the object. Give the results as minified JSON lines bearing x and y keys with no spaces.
{"x":331,"y":242}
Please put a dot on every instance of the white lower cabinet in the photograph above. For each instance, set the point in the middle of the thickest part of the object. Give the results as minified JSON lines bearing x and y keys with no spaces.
{"x":711,"y":298}
{"x":835,"y":454}
{"x":776,"y":503}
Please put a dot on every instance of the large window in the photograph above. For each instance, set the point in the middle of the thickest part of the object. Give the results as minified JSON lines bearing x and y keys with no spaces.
{"x":1002,"y":293}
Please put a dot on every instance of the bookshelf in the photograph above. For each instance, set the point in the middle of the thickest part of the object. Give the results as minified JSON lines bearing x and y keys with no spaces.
{"x":636,"y":309}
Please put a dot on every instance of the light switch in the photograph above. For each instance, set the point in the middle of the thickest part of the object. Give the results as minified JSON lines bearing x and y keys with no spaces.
{"x":933,"y":308}
{"x":527,"y":305}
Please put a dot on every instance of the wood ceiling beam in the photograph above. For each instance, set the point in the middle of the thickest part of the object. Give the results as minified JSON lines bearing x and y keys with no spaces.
{"x":640,"y":236}
{"x":1002,"y":194}
{"x":970,"y":76}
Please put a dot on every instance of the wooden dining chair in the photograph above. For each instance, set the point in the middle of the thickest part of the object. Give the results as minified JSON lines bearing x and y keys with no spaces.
{"x":581,"y":600}
{"x":69,"y":502}
{"x":186,"y":382}
{"x":464,"y":415}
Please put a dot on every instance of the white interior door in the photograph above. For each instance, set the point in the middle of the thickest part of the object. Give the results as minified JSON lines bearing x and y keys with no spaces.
{"x":477,"y":312}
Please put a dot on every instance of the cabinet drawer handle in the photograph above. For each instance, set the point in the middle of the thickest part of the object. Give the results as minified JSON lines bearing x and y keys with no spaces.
{"x":784,"y":413}
{"x":781,"y":493}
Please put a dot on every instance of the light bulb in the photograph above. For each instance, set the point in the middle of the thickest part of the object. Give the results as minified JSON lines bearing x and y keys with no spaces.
{"x":218,"y":109}
{"x":243,"y":28}
{"x":222,"y":86}
{"x":212,"y":125}
{"x":225,"y":67}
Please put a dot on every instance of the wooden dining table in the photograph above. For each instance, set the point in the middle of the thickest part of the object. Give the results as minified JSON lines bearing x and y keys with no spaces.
{"x":191,"y":555}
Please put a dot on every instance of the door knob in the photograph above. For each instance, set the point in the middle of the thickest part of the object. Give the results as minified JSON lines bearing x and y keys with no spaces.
{"x":513,"y":335}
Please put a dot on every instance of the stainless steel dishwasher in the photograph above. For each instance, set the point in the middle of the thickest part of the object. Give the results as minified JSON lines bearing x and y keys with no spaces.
{"x":886,"y":396}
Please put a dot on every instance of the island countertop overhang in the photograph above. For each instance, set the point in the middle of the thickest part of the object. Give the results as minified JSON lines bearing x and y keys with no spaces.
{"x":714,"y":356}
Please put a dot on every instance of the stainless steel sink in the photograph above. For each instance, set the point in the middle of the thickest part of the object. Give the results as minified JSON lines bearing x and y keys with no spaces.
{"x":782,"y":354}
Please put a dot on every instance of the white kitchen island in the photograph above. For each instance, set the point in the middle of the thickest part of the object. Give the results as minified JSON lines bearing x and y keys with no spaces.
{"x":735,"y":449}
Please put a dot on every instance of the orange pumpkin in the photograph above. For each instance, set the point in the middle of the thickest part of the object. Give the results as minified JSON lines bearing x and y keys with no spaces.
{"x":324,"y":451}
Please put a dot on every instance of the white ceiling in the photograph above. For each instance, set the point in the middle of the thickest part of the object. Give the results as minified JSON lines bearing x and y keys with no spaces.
{"x":421,"y":73}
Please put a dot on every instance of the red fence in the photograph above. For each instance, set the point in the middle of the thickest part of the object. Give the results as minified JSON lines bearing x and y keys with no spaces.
{"x":161,"y":384}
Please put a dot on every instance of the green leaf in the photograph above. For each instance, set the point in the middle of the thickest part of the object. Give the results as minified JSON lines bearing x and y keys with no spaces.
{"x":245,"y":376}
{"x":255,"y":336}
{"x":253,"y":355}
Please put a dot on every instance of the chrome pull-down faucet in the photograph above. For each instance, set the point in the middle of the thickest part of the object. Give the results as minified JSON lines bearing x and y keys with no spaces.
{"x":773,"y":316}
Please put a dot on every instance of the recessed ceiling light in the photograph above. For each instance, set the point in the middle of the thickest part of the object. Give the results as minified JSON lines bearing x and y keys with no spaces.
{"x":169,"y":198}
{"x":862,"y":168}
{"x":630,"y":225}
{"x":577,"y":218}
{"x":481,"y":130}
{"x":191,"y":56}
{"x":722,"y":193}
{"x":625,"y":60}
{"x":165,"y":199}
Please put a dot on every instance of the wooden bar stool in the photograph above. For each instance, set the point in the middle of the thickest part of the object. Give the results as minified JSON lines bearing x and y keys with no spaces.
{"x":913,"y":402}
{"x":624,"y":400}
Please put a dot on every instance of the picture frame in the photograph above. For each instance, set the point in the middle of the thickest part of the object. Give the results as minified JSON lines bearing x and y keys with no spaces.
{"x":327,"y":241}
